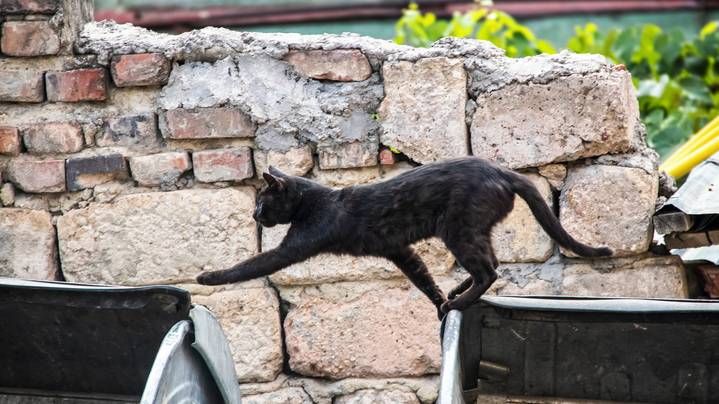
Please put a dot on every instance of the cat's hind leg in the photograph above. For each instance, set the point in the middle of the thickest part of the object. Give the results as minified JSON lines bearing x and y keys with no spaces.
{"x":465,"y":284}
{"x":414,"y":268}
{"x":475,"y":254}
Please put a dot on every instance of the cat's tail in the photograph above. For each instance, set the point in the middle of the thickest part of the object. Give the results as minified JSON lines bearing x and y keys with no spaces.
{"x":546,"y":218}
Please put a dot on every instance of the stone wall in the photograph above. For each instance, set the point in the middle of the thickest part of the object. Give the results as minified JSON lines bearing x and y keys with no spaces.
{"x":132,"y":157}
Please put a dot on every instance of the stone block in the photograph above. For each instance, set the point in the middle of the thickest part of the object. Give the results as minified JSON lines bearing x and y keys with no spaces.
{"x":234,"y":164}
{"x":519,"y":237}
{"x":206,"y":123}
{"x":129,"y":130}
{"x":361,"y":329}
{"x":161,"y":168}
{"x":348,"y":155}
{"x":422,"y":114}
{"x":293,"y":161}
{"x":9,"y":141}
{"x":29,"y":38}
{"x":37,"y":176}
{"x":250,"y":318}
{"x":53,"y":138}
{"x":568,"y":118}
{"x":609,"y":206}
{"x":27,"y":244}
{"x":158,"y":237}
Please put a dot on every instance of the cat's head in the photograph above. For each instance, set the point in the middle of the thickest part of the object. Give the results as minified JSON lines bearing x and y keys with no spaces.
{"x":278,"y":201}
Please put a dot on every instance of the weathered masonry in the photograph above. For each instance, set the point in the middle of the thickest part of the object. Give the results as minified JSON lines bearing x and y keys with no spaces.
{"x":132,"y":157}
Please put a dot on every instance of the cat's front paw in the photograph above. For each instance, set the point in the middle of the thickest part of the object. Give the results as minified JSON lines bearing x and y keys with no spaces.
{"x":209,"y":278}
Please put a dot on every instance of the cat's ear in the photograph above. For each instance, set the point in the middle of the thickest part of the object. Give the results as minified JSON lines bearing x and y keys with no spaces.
{"x":274,"y":181}
{"x":275,"y":172}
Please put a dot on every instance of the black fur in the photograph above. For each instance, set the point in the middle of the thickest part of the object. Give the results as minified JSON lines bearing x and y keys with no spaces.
{"x":457,"y":200}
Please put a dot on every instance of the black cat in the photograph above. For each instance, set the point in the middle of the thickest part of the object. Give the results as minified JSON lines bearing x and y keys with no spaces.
{"x":457,"y":200}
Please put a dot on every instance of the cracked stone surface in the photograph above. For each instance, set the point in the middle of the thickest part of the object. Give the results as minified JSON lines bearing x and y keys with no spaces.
{"x":324,"y":391}
{"x":159,"y":237}
{"x":572,"y":117}
{"x":285,"y":105}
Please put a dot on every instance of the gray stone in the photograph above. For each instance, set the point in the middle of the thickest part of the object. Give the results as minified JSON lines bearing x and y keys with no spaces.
{"x":422,"y":114}
{"x":250,"y":318}
{"x":27,"y":244}
{"x":530,"y":125}
{"x":519,"y":237}
{"x":328,"y":268}
{"x":609,"y":206}
{"x":160,"y":237}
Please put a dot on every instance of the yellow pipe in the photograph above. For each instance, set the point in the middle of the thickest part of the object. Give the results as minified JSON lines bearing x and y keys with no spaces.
{"x":695,"y":141}
{"x":683,"y":166}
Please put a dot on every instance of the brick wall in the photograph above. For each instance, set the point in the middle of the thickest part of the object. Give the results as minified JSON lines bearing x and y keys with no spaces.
{"x":132,"y":157}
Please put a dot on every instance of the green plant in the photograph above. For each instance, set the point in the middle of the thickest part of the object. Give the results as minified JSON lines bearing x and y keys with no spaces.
{"x":677,"y":78}
{"x":421,"y":29}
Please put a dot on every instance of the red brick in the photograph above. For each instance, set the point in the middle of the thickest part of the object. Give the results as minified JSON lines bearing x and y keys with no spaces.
{"x":205,"y":123}
{"x":28,"y":6}
{"x":54,"y":137}
{"x":77,"y":85}
{"x":336,"y":65}
{"x":86,"y":172}
{"x":9,"y":141}
{"x":142,"y":69}
{"x":36,"y":176}
{"x":22,"y":86}
{"x":29,"y":38}
{"x":223,"y":164}
{"x":386,"y":157}
{"x":159,"y":169}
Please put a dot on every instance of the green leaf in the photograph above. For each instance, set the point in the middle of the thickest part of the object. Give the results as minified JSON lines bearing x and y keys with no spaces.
{"x":707,"y":29}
